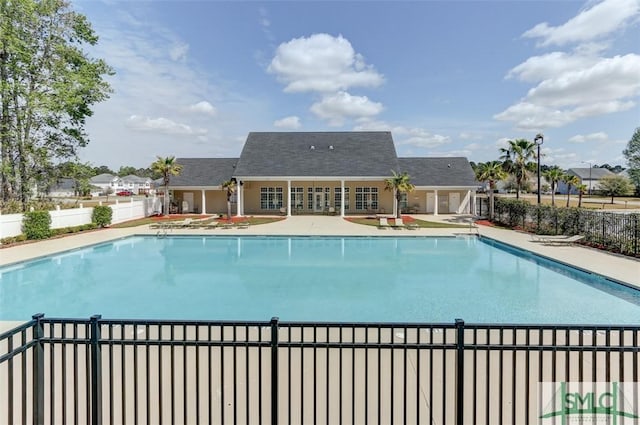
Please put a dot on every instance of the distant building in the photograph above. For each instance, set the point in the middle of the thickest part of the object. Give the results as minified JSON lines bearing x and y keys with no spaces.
{"x":589,"y":177}
{"x":133,"y":183}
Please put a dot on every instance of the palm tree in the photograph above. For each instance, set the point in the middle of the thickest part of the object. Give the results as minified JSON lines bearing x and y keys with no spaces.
{"x":399,"y":184}
{"x":517,"y":160}
{"x":570,"y":181}
{"x":490,"y":172}
{"x":231,"y":187}
{"x":582,"y":189}
{"x":553,"y":176}
{"x":167,"y":167}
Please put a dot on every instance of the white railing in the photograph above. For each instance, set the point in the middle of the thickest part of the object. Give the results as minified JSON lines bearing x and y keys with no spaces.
{"x":11,"y":224}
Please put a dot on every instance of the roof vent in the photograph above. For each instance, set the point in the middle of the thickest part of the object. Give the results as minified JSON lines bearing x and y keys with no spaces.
{"x":330,"y":147}
{"x":312,"y":147}
{"x":449,"y":165}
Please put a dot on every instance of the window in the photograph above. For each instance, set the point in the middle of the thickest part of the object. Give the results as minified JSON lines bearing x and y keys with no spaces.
{"x":366,"y":198}
{"x":337,"y":198}
{"x":270,"y":198}
{"x":404,"y":201}
{"x":297,"y":198}
{"x":309,"y":198}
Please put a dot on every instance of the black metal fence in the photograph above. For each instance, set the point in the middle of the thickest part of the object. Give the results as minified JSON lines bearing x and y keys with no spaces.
{"x":617,"y":232}
{"x":119,"y":371}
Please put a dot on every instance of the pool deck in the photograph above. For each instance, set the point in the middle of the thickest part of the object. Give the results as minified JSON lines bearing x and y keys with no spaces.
{"x":613,"y":266}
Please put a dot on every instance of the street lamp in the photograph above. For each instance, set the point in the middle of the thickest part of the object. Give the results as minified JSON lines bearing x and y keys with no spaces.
{"x":590,"y":167}
{"x":538,"y":140}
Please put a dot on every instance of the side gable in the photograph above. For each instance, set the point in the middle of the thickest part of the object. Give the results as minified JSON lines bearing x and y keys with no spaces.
{"x":596,"y":173}
{"x":439,"y":171}
{"x":317,"y":154}
{"x":203,"y":171}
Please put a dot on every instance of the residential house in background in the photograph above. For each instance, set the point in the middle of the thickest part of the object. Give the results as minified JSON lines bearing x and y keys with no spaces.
{"x":589,"y":177}
{"x":65,"y":187}
{"x":136,"y":185}
{"x":322,"y":172}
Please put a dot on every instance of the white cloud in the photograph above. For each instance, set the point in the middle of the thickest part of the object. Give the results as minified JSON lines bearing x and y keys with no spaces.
{"x":336,"y":107}
{"x":597,"y":22}
{"x":203,"y":107}
{"x":550,"y":65}
{"x":178,"y":52}
{"x":163,"y":126}
{"x":405,"y":136}
{"x":604,"y":87}
{"x":291,"y":122}
{"x":322,"y":63}
{"x":580,"y":138}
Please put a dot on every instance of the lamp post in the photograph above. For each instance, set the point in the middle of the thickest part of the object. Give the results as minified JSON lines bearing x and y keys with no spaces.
{"x":538,"y":140}
{"x":590,"y":167}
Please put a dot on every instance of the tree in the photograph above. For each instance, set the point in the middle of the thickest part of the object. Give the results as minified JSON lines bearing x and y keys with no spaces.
{"x":126,"y":171}
{"x":166,"y":167}
{"x":230,"y":187}
{"x":553,"y":176}
{"x":490,"y":172}
{"x":632,"y":153}
{"x":80,"y":173}
{"x":614,"y":185}
{"x":103,"y":169}
{"x":570,"y":180}
{"x":582,"y":189}
{"x":48,"y":85}
{"x":399,"y":184}
{"x":517,"y":160}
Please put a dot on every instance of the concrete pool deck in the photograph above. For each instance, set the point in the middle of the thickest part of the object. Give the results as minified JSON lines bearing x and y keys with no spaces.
{"x":616,"y":267}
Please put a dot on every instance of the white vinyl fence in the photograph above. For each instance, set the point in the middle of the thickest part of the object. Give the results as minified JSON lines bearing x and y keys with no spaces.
{"x":11,"y":224}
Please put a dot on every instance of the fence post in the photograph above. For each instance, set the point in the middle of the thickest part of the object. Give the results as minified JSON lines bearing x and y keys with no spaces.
{"x":38,"y":370}
{"x":274,"y":370}
{"x":635,"y":234}
{"x":96,"y":372}
{"x":460,"y":372}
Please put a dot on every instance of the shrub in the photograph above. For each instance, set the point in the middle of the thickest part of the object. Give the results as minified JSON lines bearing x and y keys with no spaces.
{"x":101,"y":216}
{"x":37,"y":224}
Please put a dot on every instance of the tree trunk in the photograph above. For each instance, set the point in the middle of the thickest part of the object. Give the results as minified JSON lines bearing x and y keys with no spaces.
{"x":580,"y":199}
{"x":166,"y":200}
{"x":491,"y":205}
{"x":612,"y":199}
{"x":568,"y":194}
{"x":228,"y":208}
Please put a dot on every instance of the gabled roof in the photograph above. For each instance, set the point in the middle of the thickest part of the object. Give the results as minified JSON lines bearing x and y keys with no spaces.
{"x":596,"y":173}
{"x":203,"y":171}
{"x":439,"y":171}
{"x":318,"y":154}
{"x":102,"y":178}
{"x":135,"y":179}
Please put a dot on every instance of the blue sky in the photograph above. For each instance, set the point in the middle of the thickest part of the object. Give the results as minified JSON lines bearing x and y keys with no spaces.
{"x":447,"y":78}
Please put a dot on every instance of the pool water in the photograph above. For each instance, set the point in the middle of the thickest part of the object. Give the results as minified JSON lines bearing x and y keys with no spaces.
{"x":382,"y":279}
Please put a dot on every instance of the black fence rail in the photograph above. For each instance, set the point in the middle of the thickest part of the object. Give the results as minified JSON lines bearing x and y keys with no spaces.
{"x":116,"y":372}
{"x":615,"y":231}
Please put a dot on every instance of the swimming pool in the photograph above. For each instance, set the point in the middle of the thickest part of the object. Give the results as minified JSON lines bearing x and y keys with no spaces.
{"x":380,"y":279}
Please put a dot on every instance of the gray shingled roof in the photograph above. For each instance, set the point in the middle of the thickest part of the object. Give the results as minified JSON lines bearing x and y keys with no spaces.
{"x":446,"y":171}
{"x":203,"y":171}
{"x":318,"y":154}
{"x":596,"y":173}
{"x":102,"y":178}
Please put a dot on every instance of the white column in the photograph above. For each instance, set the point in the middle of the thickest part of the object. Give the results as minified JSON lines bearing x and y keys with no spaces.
{"x":204,"y":203}
{"x":241,"y":199}
{"x":472,"y":208}
{"x":435,"y":202}
{"x":342,"y":198}
{"x":238,"y":200}
{"x":288,"y":198}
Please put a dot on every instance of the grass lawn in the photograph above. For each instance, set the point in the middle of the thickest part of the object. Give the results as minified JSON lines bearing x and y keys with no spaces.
{"x":406,"y":220}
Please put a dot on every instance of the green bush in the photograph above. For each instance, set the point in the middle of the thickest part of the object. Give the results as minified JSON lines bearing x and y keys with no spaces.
{"x":37,"y":224}
{"x":101,"y":216}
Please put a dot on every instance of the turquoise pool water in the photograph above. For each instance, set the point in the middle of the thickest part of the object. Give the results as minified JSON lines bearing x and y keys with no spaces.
{"x":312,"y":279}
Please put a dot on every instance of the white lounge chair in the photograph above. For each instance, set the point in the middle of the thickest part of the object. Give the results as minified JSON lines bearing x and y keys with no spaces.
{"x":557,"y":239}
{"x":384,"y":223}
{"x":398,"y":224}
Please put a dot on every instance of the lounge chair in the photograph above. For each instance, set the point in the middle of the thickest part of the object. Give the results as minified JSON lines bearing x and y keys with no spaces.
{"x":243,"y":225}
{"x":412,"y":226}
{"x":398,"y":224}
{"x":558,"y":239}
{"x":384,"y":223}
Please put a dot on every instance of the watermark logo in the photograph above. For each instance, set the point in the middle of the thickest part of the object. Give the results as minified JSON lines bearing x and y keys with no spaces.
{"x":615,"y":403}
